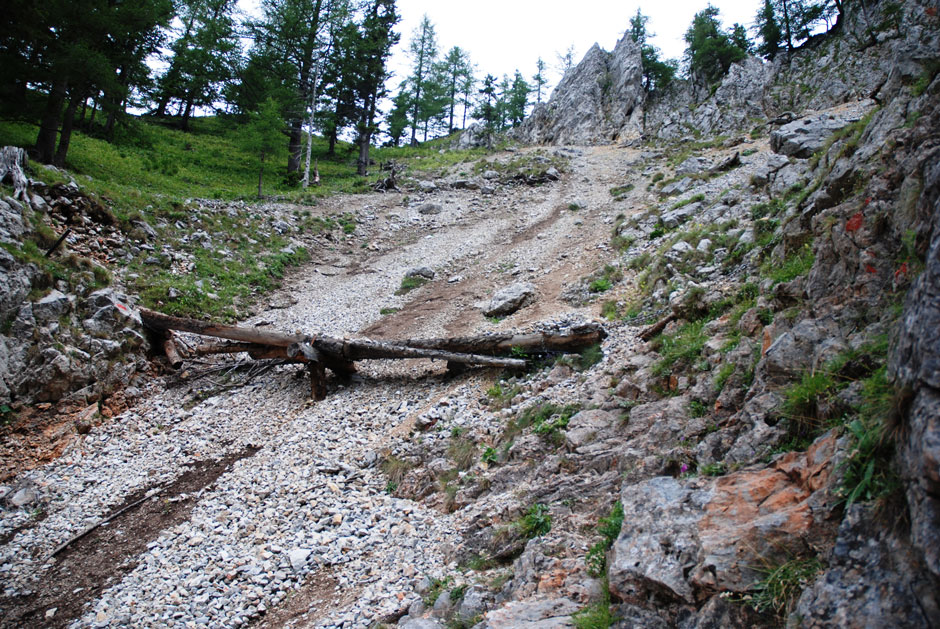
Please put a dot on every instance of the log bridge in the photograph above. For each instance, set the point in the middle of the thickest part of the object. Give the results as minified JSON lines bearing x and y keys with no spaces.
{"x":319,"y":353}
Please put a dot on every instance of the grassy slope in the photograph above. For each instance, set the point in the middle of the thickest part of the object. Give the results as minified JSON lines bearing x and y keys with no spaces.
{"x":151,"y":170}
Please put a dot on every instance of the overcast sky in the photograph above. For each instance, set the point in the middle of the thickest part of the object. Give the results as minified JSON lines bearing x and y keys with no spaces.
{"x":503,"y":35}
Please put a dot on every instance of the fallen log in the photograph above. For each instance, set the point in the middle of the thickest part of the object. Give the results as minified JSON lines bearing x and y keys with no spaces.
{"x":319,"y":352}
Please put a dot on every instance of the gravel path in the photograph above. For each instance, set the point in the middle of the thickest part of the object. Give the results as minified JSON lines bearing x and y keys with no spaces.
{"x":312,"y":498}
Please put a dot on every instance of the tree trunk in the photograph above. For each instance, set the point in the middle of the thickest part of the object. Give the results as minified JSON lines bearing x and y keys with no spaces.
{"x":49,"y":126}
{"x":65,"y":137}
{"x":184,"y":123}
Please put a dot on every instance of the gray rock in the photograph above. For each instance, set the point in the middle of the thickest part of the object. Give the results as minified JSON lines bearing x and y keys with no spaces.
{"x":298,"y":558}
{"x":421,"y":271}
{"x":52,"y":306}
{"x":534,"y":613}
{"x":693,"y":166}
{"x":280,"y":227}
{"x":473,"y":603}
{"x":896,"y":590}
{"x":24,"y":497}
{"x":657,"y":543}
{"x":430,"y":208}
{"x":427,"y":186}
{"x":419,"y":623}
{"x":677,"y":187}
{"x":584,"y":426}
{"x":12,"y":226}
{"x":599,"y":101}
{"x":473,"y":136}
{"x":802,"y":138}
{"x":490,"y":175}
{"x":510,"y":299}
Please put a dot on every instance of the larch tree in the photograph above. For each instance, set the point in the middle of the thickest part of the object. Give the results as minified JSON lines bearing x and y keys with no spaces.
{"x":657,"y":74}
{"x":423,"y":52}
{"x":456,"y":67}
{"x":205,"y":57}
{"x":539,"y":80}
{"x":375,"y":44}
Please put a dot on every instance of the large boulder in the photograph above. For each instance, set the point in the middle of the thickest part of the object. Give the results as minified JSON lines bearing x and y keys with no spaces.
{"x":510,"y":299}
{"x":801,"y":138}
{"x":599,"y":101}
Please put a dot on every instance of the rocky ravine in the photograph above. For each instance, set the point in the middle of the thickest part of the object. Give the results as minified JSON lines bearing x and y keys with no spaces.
{"x":796,"y":272}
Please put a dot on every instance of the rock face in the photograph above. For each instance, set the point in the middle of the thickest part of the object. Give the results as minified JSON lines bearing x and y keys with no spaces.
{"x":916,"y":365}
{"x":599,"y":101}
{"x":681,"y":539}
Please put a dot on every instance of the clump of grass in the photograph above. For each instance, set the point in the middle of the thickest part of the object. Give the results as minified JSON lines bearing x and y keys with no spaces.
{"x":681,"y":348}
{"x":462,"y":451}
{"x":714,"y":469}
{"x":411,"y":283}
{"x":395,"y":469}
{"x":618,"y":192}
{"x":502,"y":395}
{"x":609,"y":527}
{"x":721,"y":378}
{"x":590,"y":356}
{"x":596,"y":615}
{"x":605,"y":279}
{"x":868,"y":474}
{"x":795,"y":265}
{"x":388,"y":311}
{"x":609,"y":310}
{"x":777,"y":591}
{"x":536,"y":522}
{"x":693,"y":199}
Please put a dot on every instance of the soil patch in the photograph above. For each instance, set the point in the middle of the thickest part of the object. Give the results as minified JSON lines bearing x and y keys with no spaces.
{"x":102,"y":557}
{"x":320,"y":594}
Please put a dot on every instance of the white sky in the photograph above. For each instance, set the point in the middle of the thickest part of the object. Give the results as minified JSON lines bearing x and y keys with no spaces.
{"x":503,"y":35}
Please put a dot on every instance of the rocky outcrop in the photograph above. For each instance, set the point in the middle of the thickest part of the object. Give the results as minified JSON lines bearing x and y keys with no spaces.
{"x":682,"y":540}
{"x":599,"y":101}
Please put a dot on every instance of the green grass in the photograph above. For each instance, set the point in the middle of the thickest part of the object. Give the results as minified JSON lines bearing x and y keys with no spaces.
{"x":547,"y":420}
{"x":782,"y":583}
{"x":409,"y":284}
{"x":681,"y":348}
{"x":536,"y":522}
{"x":609,"y":527}
{"x":867,"y":471}
{"x":795,"y":265}
{"x":596,"y":615}
{"x":693,"y":199}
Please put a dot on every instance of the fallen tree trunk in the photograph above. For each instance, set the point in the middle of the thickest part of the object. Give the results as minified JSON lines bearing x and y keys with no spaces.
{"x":505,"y":343}
{"x":340,"y":354}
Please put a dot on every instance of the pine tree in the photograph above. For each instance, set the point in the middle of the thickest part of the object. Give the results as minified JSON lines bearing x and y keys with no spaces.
{"x":205,"y":57}
{"x":292,"y":38}
{"x":710,"y":51}
{"x":657,"y":74}
{"x":262,"y":135}
{"x":518,"y":100}
{"x":768,"y":29}
{"x":487,"y":111}
{"x":423,"y":52}
{"x":398,"y":117}
{"x":377,"y":39}
{"x":539,"y":80}
{"x":81,"y":49}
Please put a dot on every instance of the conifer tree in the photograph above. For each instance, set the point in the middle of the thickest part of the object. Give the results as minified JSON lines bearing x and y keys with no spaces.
{"x":423,"y":52}
{"x":539,"y":80}
{"x":657,"y":74}
{"x":710,"y":51}
{"x":518,"y":100}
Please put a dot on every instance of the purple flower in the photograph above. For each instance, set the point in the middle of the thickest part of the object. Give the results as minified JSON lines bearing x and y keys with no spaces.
{"x":684,"y":468}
